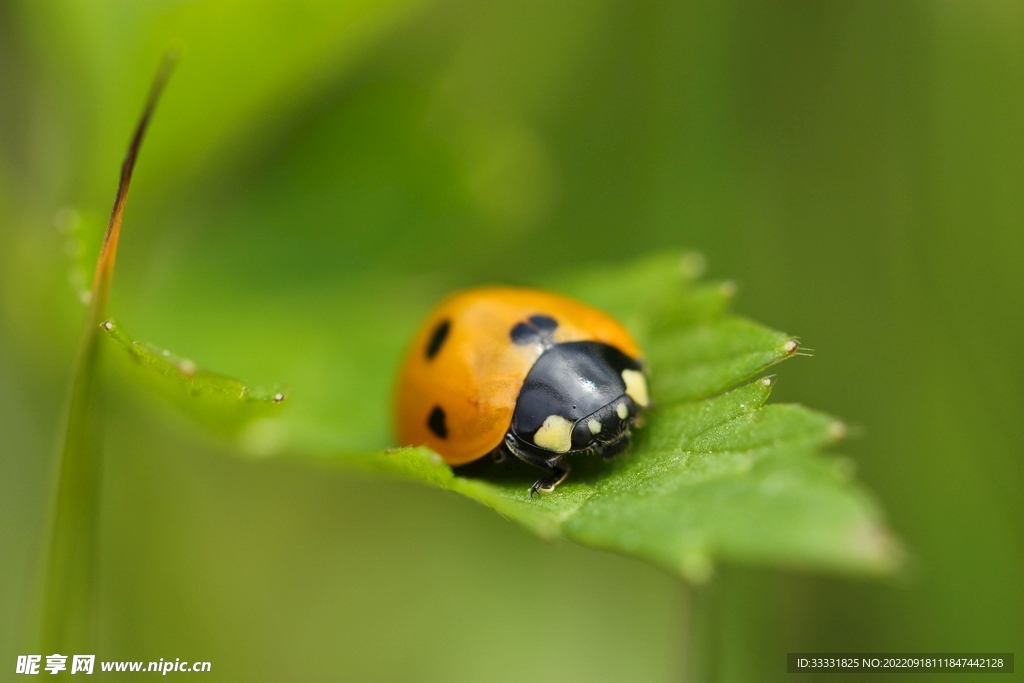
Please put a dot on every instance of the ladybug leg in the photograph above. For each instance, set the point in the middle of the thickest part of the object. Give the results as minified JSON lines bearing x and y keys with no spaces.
{"x":548,"y":484}
{"x":545,"y":461}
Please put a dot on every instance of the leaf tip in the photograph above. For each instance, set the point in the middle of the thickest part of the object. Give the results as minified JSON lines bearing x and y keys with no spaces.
{"x":790,"y":346}
{"x":837,"y":430}
{"x":878,"y":546}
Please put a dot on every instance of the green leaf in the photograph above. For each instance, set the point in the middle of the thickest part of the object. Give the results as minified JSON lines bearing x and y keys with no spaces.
{"x":220,"y":402}
{"x":712,"y":475}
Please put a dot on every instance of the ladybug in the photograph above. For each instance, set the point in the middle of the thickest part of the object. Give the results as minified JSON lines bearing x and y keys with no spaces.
{"x":500,"y":371}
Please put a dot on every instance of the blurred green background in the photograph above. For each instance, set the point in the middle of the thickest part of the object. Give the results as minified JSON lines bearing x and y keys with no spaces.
{"x":320,"y":172}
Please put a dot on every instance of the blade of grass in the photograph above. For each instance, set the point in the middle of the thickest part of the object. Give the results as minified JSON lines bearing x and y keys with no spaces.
{"x":69,"y":572}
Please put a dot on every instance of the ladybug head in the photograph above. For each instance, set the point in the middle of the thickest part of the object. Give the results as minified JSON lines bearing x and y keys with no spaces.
{"x":579,"y":397}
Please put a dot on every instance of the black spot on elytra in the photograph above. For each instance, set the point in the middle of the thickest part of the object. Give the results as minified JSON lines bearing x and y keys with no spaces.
{"x":522,"y":334}
{"x":545,"y":324}
{"x":437,"y":339}
{"x":537,"y":328}
{"x":436,"y":422}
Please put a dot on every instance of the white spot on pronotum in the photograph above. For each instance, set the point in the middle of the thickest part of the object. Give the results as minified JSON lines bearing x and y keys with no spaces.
{"x":187,"y":367}
{"x":555,"y":434}
{"x":790,"y":346}
{"x":622,"y":411}
{"x":278,"y":397}
{"x":766,"y":381}
{"x":594,"y":426}
{"x":107,"y":325}
{"x":636,"y":387}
